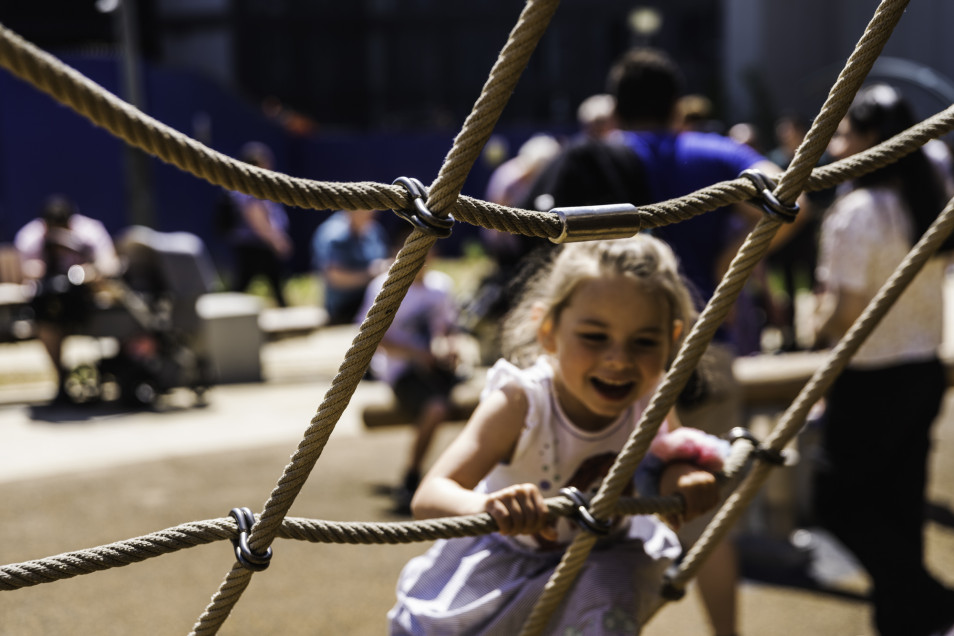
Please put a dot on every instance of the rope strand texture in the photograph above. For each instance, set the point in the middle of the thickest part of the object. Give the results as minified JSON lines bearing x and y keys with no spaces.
{"x":794,"y":417}
{"x":69,"y":87}
{"x":752,"y":251}
{"x":523,"y":39}
{"x":124,"y":121}
{"x":189,"y":535}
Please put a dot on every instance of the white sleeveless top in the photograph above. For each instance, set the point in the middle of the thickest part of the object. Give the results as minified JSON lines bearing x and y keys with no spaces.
{"x":864,"y":237}
{"x":553,"y":453}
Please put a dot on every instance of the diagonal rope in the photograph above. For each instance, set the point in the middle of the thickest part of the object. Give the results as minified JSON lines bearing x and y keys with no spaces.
{"x":840,"y":96}
{"x":399,"y":278}
{"x":884,"y":153}
{"x":51,"y":76}
{"x":749,"y":255}
{"x":523,"y":39}
{"x":126,"y":122}
{"x":794,"y":417}
{"x":500,"y":84}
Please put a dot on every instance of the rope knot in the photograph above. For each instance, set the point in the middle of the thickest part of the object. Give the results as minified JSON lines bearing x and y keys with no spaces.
{"x":767,"y":199}
{"x":764,"y":453}
{"x":420,"y":217}
{"x":582,"y":515}
{"x":254,"y":561}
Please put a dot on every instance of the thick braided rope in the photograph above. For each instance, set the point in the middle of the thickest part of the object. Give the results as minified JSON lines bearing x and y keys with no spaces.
{"x":399,"y":279}
{"x":724,"y":193}
{"x":830,"y":170}
{"x":378,"y":319}
{"x":840,"y":96}
{"x":884,"y":153}
{"x":68,"y":565}
{"x":794,"y":417}
{"x":660,"y":404}
{"x":500,"y":84}
{"x":853,"y":74}
{"x":751,"y":252}
{"x":49,"y":75}
{"x":121,"y":553}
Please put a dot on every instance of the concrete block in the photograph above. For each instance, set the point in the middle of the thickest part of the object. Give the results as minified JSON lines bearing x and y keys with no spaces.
{"x":231,"y":335}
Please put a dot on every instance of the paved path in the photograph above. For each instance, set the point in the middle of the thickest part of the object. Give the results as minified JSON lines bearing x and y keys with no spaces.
{"x":62,"y":466}
{"x":41,"y":440}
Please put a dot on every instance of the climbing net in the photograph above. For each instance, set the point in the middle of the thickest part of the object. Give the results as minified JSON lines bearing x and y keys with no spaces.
{"x":435,"y":206}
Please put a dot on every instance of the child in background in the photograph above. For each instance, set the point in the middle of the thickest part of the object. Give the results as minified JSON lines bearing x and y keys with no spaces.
{"x":587,"y":346}
{"x":417,"y":358}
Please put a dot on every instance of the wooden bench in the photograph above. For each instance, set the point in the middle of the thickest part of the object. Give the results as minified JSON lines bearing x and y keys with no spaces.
{"x":464,"y":400}
{"x":287,"y":322}
{"x":769,"y":384}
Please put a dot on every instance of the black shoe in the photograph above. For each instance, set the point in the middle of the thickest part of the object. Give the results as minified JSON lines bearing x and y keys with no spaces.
{"x":403,"y":494}
{"x":412,"y":479}
{"x":402,"y":501}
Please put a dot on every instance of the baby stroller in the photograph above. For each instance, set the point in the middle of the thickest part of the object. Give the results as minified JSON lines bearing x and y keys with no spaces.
{"x":150,"y":311}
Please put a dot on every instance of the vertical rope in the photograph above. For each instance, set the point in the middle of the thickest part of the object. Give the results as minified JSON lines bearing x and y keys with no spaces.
{"x":751,"y":252}
{"x":500,"y":84}
{"x":842,"y":93}
{"x":794,"y":417}
{"x":856,"y":69}
{"x":659,"y":406}
{"x":400,"y":276}
{"x":465,"y":150}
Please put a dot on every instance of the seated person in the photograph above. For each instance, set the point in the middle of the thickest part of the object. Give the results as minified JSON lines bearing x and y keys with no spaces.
{"x":65,"y":254}
{"x":259,"y":236}
{"x":348,"y":250}
{"x":418,"y":358}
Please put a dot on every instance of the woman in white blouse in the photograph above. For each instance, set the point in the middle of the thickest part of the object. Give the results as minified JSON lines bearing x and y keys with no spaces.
{"x":870,"y":483}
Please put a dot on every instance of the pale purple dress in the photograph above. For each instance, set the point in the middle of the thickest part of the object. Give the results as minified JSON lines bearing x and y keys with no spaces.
{"x":490,"y":584}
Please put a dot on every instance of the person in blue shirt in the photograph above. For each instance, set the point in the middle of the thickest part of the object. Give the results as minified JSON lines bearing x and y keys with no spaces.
{"x":647,"y":85}
{"x":349,"y":249}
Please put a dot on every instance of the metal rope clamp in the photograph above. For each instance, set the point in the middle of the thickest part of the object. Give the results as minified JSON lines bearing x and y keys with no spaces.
{"x":254,"y":561}
{"x":767,"y":199}
{"x":420,"y":217}
{"x":774,"y":457}
{"x":597,"y":222}
{"x":583,"y":517}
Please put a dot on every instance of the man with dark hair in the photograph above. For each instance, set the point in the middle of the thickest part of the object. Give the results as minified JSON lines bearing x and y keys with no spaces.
{"x":647,"y":84}
{"x":64,"y":253}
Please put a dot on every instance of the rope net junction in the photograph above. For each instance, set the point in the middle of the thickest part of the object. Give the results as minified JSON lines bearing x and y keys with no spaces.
{"x":750,"y":463}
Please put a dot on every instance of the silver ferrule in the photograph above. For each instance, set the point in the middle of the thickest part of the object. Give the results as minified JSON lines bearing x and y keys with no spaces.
{"x":595,"y":222}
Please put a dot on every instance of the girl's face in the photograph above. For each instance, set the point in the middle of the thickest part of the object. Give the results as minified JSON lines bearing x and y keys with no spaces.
{"x":610,"y":346}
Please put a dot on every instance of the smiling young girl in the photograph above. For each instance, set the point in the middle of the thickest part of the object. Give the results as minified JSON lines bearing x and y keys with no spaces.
{"x":587,"y":345}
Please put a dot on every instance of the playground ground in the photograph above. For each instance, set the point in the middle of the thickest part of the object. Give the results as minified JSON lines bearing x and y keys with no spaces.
{"x":72,"y":478}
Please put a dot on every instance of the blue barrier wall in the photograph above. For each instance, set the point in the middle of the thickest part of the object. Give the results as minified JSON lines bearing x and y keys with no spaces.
{"x":46,"y":148}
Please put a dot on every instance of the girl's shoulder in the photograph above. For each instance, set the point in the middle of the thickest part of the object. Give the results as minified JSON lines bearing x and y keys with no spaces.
{"x":532,"y":378}
{"x":534,"y":383}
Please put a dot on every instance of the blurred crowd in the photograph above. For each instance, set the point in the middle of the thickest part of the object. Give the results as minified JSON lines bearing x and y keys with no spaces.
{"x":643,"y":140}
